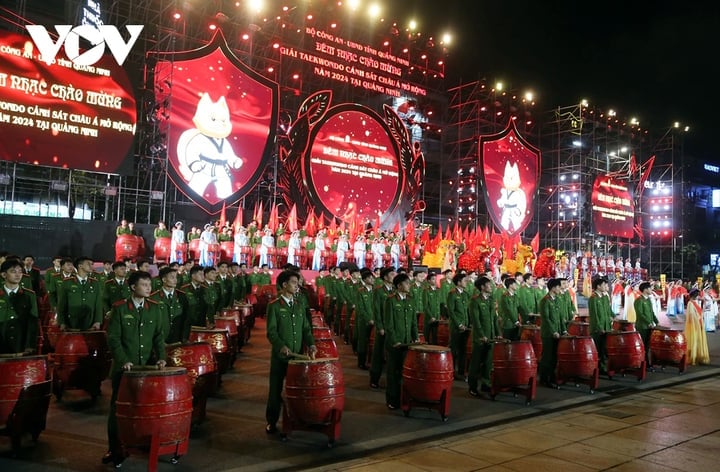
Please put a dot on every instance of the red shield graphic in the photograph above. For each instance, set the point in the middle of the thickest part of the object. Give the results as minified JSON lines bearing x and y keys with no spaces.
{"x":510,"y":172}
{"x":222,"y":123}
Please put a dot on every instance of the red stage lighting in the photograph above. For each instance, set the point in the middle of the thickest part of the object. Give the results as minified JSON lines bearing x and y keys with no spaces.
{"x":212,"y":26}
{"x":177,"y":15}
{"x":245,"y":36}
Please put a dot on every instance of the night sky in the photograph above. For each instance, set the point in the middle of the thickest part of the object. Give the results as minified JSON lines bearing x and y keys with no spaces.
{"x":654,"y":60}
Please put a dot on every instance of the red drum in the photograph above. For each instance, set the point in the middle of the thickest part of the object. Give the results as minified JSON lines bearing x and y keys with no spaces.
{"x":213,"y":251}
{"x":229,"y":324}
{"x":386,"y":260}
{"x":324,"y":342}
{"x":127,"y":246}
{"x":318,"y":320}
{"x":161,"y":249}
{"x":668,"y":347}
{"x":623,"y":325}
{"x":577,"y":359}
{"x":350,"y":256}
{"x":531,"y":333}
{"x":245,"y":255}
{"x":141,"y":246}
{"x":194,"y":249}
{"x":427,"y":378}
{"x":514,"y":369}
{"x":248,"y":319}
{"x":443,"y":333}
{"x":51,"y":330}
{"x":625,"y":352}
{"x":314,"y":397}
{"x":579,"y":328}
{"x":328,"y":258}
{"x":219,"y":340}
{"x":282,"y":256}
{"x":227,"y":250}
{"x":582,"y":318}
{"x":199,"y":361}
{"x":369,"y":260}
{"x":25,"y":386}
{"x":182,"y":250}
{"x":534,"y":319}
{"x":321,"y":294}
{"x":154,"y":407}
{"x":82,"y":361}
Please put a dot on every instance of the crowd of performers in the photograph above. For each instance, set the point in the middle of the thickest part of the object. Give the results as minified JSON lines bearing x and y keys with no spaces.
{"x":391,"y":309}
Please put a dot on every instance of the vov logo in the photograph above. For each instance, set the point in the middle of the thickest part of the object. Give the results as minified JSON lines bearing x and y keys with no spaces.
{"x":99,"y":37}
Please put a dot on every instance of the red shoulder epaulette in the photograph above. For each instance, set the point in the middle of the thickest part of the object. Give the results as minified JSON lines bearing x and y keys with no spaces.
{"x":119,"y":302}
{"x":153,"y":302}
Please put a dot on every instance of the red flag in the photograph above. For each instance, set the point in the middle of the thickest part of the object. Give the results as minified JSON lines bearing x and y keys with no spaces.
{"x":223,"y":217}
{"x":259,"y":215}
{"x":466,"y":236}
{"x":456,"y":234}
{"x":376,"y":229}
{"x":535,"y":243}
{"x":238,"y":219}
{"x":425,"y":237}
{"x":273,"y":219}
{"x":292,"y":223}
{"x":396,"y":228}
{"x":333,"y":228}
{"x":508,"y":247}
{"x":436,"y":242}
{"x":448,"y":235}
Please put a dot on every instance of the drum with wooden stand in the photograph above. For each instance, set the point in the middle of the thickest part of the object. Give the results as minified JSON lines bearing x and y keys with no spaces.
{"x":427,"y":379}
{"x":81,"y":362}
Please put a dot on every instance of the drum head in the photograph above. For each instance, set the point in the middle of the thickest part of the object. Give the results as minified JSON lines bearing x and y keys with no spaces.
{"x":323,"y":360}
{"x":428,"y":348}
{"x":151,"y":370}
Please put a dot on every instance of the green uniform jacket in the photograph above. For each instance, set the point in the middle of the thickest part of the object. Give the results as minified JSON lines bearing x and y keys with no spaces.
{"x":363,"y":305}
{"x":287,"y":326}
{"x":18,"y":321}
{"x":175,"y":318}
{"x":242,"y":287}
{"x":400,"y":320}
{"x":644,"y":313}
{"x":214,"y":298}
{"x":526,"y":302}
{"x":483,"y":317}
{"x":600,"y":313}
{"x":445,"y":288}
{"x":538,"y":294}
{"x":457,"y":303}
{"x":114,"y":292}
{"x":52,"y":277}
{"x":135,"y":335}
{"x":566,"y":309}
{"x":431,"y":304}
{"x":200,"y":304}
{"x":508,"y":310}
{"x":380,"y":294}
{"x":228,"y":291}
{"x":416,"y":293}
{"x":550,"y":314}
{"x":80,"y":305}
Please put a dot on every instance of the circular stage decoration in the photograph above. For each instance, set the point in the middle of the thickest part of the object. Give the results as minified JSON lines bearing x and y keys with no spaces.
{"x":352,"y":167}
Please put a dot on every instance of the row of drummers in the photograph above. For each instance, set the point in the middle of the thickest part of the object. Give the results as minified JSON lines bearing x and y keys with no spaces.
{"x":478,"y":329}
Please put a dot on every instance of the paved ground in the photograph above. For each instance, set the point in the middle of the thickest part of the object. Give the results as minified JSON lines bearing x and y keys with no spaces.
{"x":233,"y":437}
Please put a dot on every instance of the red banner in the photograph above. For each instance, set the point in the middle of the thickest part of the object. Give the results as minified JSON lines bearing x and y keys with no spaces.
{"x":510,"y":175}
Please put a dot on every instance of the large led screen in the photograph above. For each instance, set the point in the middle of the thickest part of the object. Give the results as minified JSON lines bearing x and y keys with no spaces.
{"x":353,"y":168}
{"x":64,"y":115}
{"x":222,"y":123}
{"x":613,"y":208}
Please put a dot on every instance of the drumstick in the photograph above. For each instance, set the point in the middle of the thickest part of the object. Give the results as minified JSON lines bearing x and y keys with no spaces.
{"x":302,"y":357}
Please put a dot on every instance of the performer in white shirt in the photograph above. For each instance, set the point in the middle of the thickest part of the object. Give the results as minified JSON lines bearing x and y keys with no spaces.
{"x":359,"y":251}
{"x":241,"y":241}
{"x":395,"y":253}
{"x":294,"y":248}
{"x":342,"y":247}
{"x":207,"y":237}
{"x":319,"y":248}
{"x":266,"y":243}
{"x":378,"y":250}
{"x":177,"y":237}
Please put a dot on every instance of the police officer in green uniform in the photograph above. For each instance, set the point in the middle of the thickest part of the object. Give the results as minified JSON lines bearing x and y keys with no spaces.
{"x":225,"y":280}
{"x":457,"y":306}
{"x":200,"y":305}
{"x":116,"y":288}
{"x":50,"y":274}
{"x":526,"y":298}
{"x":18,"y":311}
{"x":66,"y":270}
{"x":213,"y":293}
{"x":431,"y":309}
{"x":380,"y":294}
{"x":401,"y":329}
{"x":80,"y":299}
{"x":32,"y":273}
{"x":288,"y":329}
{"x":483,"y":317}
{"x":509,"y":310}
{"x":551,"y":327}
{"x":363,"y":315}
{"x":174,"y":304}
{"x":135,"y":337}
{"x":601,"y":317}
{"x":645,"y":319}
